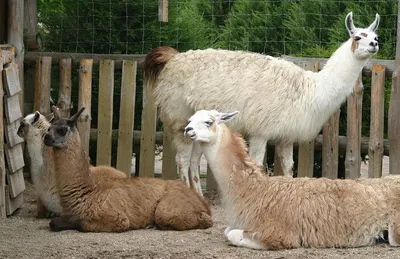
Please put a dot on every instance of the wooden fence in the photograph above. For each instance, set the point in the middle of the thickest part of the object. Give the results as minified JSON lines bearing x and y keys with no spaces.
{"x":330,"y":142}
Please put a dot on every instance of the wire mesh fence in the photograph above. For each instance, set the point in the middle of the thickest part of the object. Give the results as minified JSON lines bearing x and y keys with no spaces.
{"x":308,"y":28}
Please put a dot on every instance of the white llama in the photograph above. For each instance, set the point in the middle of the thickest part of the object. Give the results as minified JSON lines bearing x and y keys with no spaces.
{"x":277,"y":99}
{"x":283,"y":212}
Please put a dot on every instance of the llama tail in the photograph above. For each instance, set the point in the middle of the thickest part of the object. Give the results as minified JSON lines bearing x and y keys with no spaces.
{"x":155,"y":61}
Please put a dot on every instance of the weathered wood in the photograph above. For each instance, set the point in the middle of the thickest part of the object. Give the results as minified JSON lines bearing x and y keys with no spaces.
{"x":42,"y":85}
{"x":3,"y":213}
{"x":3,"y":22}
{"x":76,"y":57}
{"x":11,"y":80}
{"x":126,"y":117}
{"x":29,"y":91}
{"x":306,"y":149}
{"x":169,"y":169}
{"x":148,"y":128}
{"x":377,"y":121}
{"x":15,"y":36}
{"x":277,"y":164}
{"x":330,"y":149}
{"x":85,"y":100}
{"x":14,"y":157}
{"x":105,"y":112}
{"x":64,"y":92}
{"x":12,"y":204}
{"x":16,"y":183}
{"x":12,"y":108}
{"x":10,"y":131}
{"x":163,"y":10}
{"x":354,"y":120}
{"x":30,"y":25}
{"x":394,"y":109}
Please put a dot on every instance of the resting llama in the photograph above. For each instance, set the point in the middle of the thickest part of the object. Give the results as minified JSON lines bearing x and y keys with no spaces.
{"x":33,"y":128}
{"x":283,"y":212}
{"x":277,"y":99}
{"x":116,"y":205}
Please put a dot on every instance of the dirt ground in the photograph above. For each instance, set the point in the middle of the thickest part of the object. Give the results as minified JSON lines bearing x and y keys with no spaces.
{"x":24,"y":236}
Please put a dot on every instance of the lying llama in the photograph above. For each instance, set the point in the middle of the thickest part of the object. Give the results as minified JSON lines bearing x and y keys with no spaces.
{"x":283,"y":212}
{"x":120,"y":204}
{"x":33,"y":128}
{"x":277,"y":100}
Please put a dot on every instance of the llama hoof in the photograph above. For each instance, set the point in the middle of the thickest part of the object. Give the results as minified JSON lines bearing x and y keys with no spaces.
{"x":226,"y":231}
{"x":235,"y":236}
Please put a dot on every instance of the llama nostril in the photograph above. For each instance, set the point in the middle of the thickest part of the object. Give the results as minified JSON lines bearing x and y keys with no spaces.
{"x":373,"y":44}
{"x":187,"y":129}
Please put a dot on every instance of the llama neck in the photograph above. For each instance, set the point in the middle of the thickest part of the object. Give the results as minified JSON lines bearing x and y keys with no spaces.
{"x":35,"y":148}
{"x":337,"y":79}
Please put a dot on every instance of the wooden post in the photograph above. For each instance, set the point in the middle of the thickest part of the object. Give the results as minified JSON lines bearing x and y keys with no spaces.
{"x":30,"y":25}
{"x":15,"y":36}
{"x":354,"y":119}
{"x":85,"y":100}
{"x":126,"y":116}
{"x":394,"y":108}
{"x":3,"y":21}
{"x":163,"y":10}
{"x":377,"y":121}
{"x":3,"y":213}
{"x":330,"y":148}
{"x":64,"y":92}
{"x":277,"y":164}
{"x":105,"y":112}
{"x":169,"y":170}
{"x":148,"y":129}
{"x":42,"y":85}
{"x":306,"y":149}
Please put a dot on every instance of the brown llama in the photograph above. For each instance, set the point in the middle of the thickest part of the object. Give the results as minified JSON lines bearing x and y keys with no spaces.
{"x":116,"y":205}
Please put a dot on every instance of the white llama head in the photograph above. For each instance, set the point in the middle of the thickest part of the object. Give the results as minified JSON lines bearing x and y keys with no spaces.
{"x":364,"y":40}
{"x":34,"y":123}
{"x":202,"y":125}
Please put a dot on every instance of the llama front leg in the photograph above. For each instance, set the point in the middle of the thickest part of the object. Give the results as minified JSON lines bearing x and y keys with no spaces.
{"x":63,"y":223}
{"x":285,"y":152}
{"x":257,"y":150}
{"x":239,"y":237}
{"x":194,"y":168}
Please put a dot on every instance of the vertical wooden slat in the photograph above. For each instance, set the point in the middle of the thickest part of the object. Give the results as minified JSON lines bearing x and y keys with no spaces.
{"x":85,"y":100}
{"x":64,"y":92}
{"x":330,"y":147}
{"x":306,"y":149}
{"x":105,"y":112}
{"x":148,"y":130}
{"x":30,"y":25}
{"x":3,"y":213}
{"x":169,"y":170}
{"x":163,"y":10}
{"x":394,"y":108}
{"x":375,"y":151}
{"x":126,"y":116}
{"x":354,"y":120}
{"x":277,"y":164}
{"x":42,"y":85}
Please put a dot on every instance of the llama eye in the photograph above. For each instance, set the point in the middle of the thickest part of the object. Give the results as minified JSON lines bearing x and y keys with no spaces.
{"x":376,"y":38}
{"x":209,"y":123}
{"x":357,"y":38}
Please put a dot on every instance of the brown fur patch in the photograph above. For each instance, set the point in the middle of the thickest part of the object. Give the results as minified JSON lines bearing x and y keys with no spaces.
{"x":155,"y":61}
{"x":354,"y":46}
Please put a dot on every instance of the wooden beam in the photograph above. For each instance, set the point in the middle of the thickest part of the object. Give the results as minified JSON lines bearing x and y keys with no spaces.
{"x":163,"y":10}
{"x":3,"y":213}
{"x":42,"y":85}
{"x":30,"y":25}
{"x":169,"y":169}
{"x":64,"y":91}
{"x":3,"y":21}
{"x":330,"y":149}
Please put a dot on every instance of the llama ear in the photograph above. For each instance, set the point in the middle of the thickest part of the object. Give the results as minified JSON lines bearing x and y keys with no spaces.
{"x":374,"y":26}
{"x":56,"y":112}
{"x":36,"y":117}
{"x":75,"y":117}
{"x":227,"y":116}
{"x":349,"y":23}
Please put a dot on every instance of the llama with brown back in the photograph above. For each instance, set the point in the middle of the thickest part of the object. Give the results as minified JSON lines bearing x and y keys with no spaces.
{"x":41,"y":160}
{"x":282,"y":212}
{"x":120,"y":204}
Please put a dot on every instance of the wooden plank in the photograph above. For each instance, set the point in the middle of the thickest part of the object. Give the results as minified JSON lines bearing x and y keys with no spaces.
{"x":3,"y":20}
{"x":15,"y":157}
{"x":163,"y":10}
{"x":394,"y":109}
{"x":126,"y":117}
{"x":277,"y":164}
{"x":330,"y":149}
{"x":29,"y":91}
{"x":12,"y":109}
{"x":30,"y":25}
{"x":85,"y":100}
{"x":354,"y":120}
{"x":11,"y":80}
{"x":64,"y":92}
{"x":169,"y":169}
{"x":42,"y":85}
{"x":16,"y":183}
{"x":3,"y":213}
{"x":375,"y":153}
{"x":305,"y":167}
{"x":12,"y":204}
{"x":148,"y":128}
{"x":105,"y":112}
{"x":10,"y":131}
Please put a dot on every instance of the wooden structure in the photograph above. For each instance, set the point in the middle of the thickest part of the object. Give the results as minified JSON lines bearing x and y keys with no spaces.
{"x":12,"y":182}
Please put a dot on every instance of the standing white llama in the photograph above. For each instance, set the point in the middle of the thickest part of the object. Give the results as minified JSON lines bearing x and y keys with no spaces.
{"x":277,"y":99}
{"x":283,"y":212}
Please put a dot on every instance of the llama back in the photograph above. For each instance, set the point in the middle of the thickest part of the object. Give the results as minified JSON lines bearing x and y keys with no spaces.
{"x":234,"y":80}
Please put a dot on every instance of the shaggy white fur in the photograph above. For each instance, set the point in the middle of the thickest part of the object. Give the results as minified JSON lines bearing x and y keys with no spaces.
{"x":277,"y":99}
